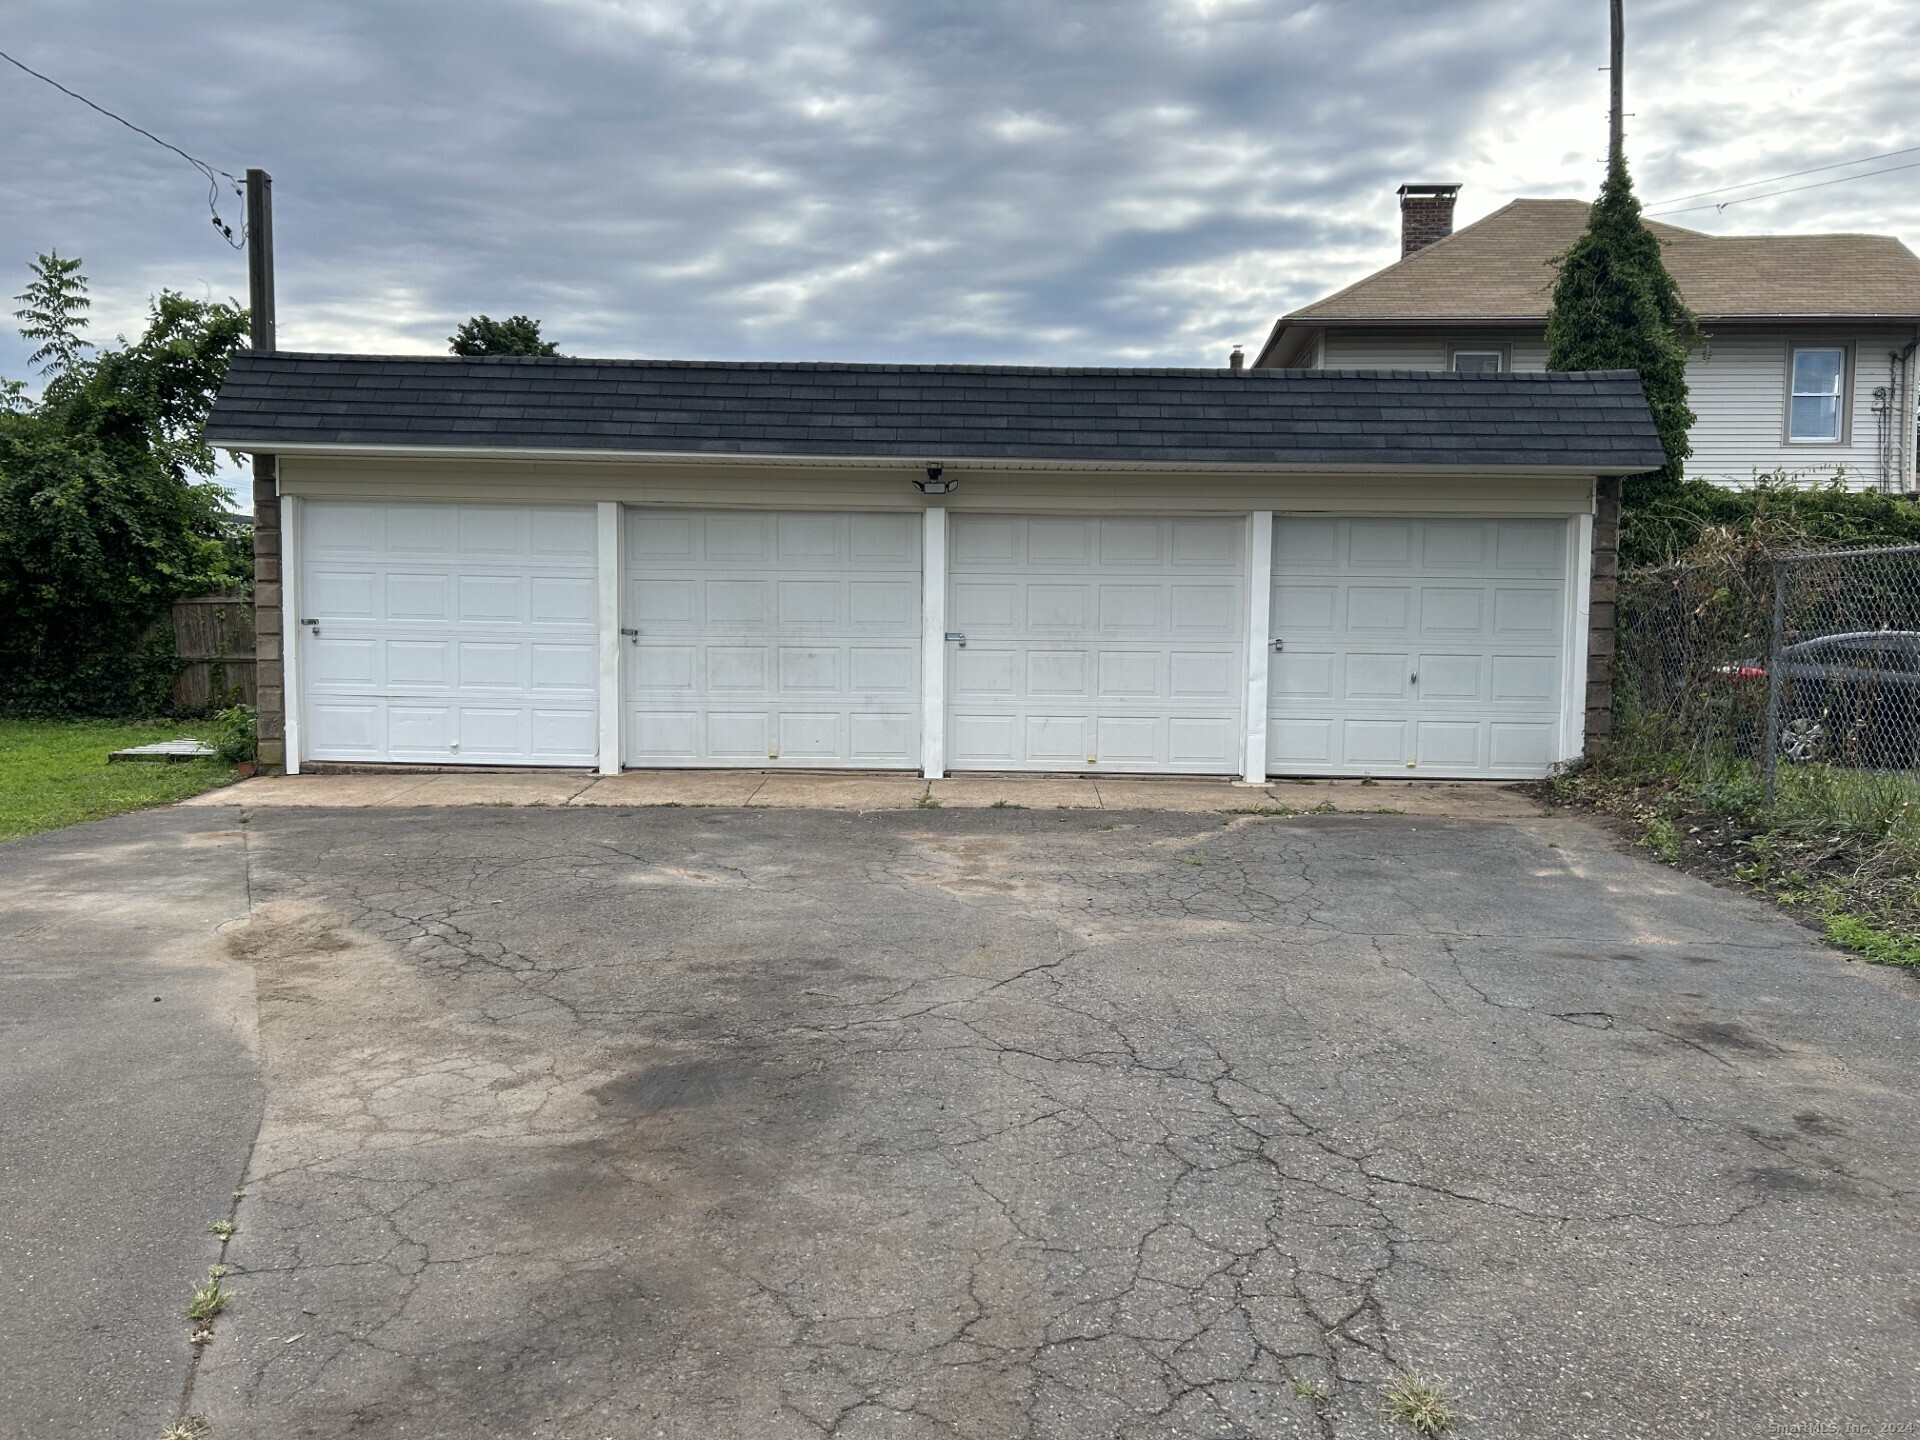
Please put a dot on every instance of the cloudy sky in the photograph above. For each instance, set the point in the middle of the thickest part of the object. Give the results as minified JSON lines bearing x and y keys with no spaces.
{"x":1014,"y":181}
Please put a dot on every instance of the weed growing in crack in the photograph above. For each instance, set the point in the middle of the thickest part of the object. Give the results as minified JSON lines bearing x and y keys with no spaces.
{"x":1422,"y":1405}
{"x":1307,"y":1390}
{"x":928,"y":802}
{"x":1009,"y":805}
{"x":1265,"y":810}
{"x":209,"y":1298}
{"x":1195,"y":860}
{"x":188,"y":1427}
{"x":223,"y":1228}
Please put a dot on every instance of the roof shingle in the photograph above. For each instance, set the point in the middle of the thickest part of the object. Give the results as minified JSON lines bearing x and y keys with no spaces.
{"x":919,"y":413}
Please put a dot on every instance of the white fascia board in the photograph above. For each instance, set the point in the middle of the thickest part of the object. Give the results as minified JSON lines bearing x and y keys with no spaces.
{"x":913,"y":463}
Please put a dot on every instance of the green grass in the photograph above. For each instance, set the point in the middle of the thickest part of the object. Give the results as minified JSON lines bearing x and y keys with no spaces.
{"x":1872,"y":943}
{"x":55,"y":773}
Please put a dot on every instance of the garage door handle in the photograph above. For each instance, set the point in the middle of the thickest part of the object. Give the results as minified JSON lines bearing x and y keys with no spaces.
{"x":633,"y":635}
{"x":314,"y":623}
{"x":958,"y":637}
{"x":1278,"y":644}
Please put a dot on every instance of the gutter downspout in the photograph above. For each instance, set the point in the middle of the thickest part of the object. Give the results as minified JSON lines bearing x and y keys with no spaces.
{"x":1906,"y":388}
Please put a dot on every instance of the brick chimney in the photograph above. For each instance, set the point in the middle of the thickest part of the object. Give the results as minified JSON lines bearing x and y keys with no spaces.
{"x":1426,"y":215}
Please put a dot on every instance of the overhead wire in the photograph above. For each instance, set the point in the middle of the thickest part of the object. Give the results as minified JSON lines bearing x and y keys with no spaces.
{"x":1790,"y":190}
{"x":212,"y":173}
{"x":1790,"y":175}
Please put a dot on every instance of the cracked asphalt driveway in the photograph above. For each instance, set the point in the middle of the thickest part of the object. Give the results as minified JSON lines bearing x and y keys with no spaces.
{"x":711,"y":1123}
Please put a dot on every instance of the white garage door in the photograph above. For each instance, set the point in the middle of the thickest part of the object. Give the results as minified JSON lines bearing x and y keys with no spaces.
{"x":788,"y":640}
{"x":1104,"y":645}
{"x":1433,"y":647}
{"x":448,"y":633}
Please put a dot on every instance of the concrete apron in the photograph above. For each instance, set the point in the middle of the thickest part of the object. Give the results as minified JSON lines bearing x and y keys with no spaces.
{"x":854,"y":790}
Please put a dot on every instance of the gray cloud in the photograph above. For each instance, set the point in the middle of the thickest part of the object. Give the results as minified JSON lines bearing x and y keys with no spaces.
{"x":1052,"y":181}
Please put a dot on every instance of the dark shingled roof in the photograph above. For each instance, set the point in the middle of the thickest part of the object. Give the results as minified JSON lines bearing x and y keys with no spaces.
{"x":1595,"y":421}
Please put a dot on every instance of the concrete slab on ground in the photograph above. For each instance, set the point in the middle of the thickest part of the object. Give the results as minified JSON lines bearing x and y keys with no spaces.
{"x":844,"y":790}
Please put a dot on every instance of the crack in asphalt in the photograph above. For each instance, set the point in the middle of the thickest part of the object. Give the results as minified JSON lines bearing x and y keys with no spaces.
{"x":994,"y":1152}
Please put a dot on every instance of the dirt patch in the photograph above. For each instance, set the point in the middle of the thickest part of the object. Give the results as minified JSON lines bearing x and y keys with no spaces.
{"x":1799,"y":874}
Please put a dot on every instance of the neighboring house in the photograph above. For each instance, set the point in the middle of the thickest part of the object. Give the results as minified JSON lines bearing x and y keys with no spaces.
{"x":932,"y":568}
{"x":1809,"y":364}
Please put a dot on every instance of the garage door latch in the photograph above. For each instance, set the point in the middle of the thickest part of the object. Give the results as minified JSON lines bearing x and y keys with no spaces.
{"x":314,"y":623}
{"x":633,"y":635}
{"x":958,"y":637}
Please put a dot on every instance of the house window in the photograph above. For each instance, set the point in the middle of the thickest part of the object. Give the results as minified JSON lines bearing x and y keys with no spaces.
{"x":1819,"y":380}
{"x":1487,"y":361}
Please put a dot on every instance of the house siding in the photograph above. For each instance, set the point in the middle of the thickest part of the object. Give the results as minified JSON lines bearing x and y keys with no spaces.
{"x":1423,"y":350}
{"x":1737,"y":386}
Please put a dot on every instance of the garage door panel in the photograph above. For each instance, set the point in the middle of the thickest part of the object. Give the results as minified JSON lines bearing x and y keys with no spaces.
{"x":878,"y":738}
{"x":980,"y":673}
{"x":1532,"y":612}
{"x":1302,"y":674}
{"x":803,"y":670}
{"x":984,"y":608}
{"x":443,"y":602}
{"x":428,"y":664}
{"x":1202,"y":609}
{"x":1445,"y":678}
{"x":1452,"y":611}
{"x":1208,"y":677}
{"x":1139,"y":665}
{"x":1131,"y":542}
{"x":1058,"y":607}
{"x":559,"y":734}
{"x":1455,"y":744}
{"x":334,"y":660}
{"x":484,"y":599}
{"x":1378,"y":607}
{"x":1207,"y":544}
{"x":1305,"y":609}
{"x":1056,"y":674}
{"x":556,"y":600}
{"x":1434,"y":645}
{"x":884,"y":671}
{"x":791,"y":625}
{"x":343,"y":594}
{"x":1522,"y":746}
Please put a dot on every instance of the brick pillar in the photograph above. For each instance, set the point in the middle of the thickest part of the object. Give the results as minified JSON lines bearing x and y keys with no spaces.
{"x":270,"y":671}
{"x":1604,"y":597}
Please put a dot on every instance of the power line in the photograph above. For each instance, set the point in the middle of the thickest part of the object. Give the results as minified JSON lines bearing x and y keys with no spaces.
{"x":1790,"y":190}
{"x":212,"y":173}
{"x":1792,"y":175}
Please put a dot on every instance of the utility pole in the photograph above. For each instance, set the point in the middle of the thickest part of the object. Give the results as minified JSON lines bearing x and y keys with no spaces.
{"x":268,"y":628}
{"x":259,"y":234}
{"x":1616,"y":118}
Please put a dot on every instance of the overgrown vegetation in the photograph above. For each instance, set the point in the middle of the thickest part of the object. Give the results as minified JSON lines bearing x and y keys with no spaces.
{"x":1615,"y":307}
{"x":1660,"y":527}
{"x":1684,"y":770}
{"x":107,"y":510}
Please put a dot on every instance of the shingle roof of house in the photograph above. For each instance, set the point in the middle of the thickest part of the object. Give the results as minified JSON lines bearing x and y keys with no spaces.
{"x":278,"y":402}
{"x":1497,"y":269}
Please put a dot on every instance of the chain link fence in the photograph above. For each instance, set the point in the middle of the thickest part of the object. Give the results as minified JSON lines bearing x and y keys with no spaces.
{"x":1793,"y":670}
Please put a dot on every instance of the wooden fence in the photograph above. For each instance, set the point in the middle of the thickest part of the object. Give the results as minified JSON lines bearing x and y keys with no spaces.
{"x":214,"y":635}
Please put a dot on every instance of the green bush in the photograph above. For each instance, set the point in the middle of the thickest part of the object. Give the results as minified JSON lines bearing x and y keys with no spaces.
{"x":236,"y":733}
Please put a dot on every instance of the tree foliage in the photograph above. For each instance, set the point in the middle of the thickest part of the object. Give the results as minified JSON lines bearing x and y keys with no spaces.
{"x":1615,"y":307}
{"x":54,"y":312}
{"x":516,"y":335}
{"x":1665,"y":526}
{"x":107,"y":515}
